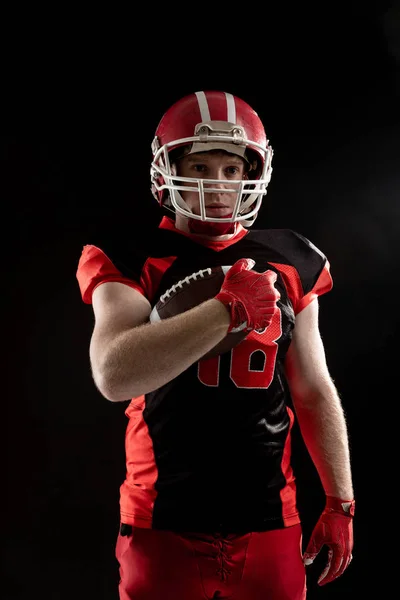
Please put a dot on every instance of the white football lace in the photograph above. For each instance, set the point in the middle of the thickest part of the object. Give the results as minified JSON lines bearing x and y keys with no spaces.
{"x":180,"y":283}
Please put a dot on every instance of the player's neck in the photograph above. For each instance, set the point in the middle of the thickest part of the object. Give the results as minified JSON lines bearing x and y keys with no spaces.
{"x":183,"y":225}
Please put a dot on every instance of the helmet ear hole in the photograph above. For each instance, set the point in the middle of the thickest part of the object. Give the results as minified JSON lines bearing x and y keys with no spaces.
{"x":255,"y":167}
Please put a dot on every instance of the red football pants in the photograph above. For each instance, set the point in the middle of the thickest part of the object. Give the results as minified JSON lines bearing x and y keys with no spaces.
{"x":163,"y":565}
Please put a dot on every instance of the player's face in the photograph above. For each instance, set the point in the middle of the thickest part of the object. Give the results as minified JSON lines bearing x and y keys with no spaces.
{"x":227,"y":168}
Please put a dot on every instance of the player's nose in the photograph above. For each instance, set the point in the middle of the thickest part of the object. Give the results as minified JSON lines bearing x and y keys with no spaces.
{"x":218,"y":185}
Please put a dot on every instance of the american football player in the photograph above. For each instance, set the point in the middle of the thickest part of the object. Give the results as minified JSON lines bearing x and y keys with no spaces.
{"x":208,"y":507}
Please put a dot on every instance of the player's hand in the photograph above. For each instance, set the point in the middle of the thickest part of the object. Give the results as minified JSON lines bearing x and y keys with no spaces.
{"x":335,"y":530}
{"x":250,"y":296}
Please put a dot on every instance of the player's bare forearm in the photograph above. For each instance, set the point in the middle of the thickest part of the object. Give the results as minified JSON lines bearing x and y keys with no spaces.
{"x":323,"y":427}
{"x":143,"y":358}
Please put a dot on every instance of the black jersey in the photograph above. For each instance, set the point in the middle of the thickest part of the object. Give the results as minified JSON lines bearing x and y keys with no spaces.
{"x":211,"y":449}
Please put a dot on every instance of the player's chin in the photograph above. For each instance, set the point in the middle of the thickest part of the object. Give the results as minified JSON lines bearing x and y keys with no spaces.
{"x":223,"y":212}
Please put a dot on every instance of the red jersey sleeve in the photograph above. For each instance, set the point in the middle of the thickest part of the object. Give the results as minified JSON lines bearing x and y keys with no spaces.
{"x":95,"y":268}
{"x":304,"y":268}
{"x":323,"y":285}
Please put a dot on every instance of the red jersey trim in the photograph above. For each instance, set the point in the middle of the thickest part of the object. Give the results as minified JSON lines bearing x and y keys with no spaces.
{"x":168,"y":223}
{"x":138,"y":493}
{"x":153,"y":270}
{"x":290,"y":512}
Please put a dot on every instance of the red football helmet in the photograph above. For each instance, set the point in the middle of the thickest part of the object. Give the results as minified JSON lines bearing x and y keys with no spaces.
{"x":211,"y":121}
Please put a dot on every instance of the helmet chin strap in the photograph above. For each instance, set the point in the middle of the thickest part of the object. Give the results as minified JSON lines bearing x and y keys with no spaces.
{"x":210,"y":228}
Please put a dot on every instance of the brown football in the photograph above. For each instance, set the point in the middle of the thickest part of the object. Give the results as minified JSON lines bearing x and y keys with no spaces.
{"x":191,"y":291}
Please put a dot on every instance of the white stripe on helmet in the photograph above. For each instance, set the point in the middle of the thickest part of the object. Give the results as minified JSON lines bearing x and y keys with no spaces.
{"x":230,"y":101}
{"x":205,"y":111}
{"x":203,"y":106}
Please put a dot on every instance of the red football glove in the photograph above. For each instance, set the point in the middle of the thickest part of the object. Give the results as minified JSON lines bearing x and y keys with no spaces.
{"x":335,"y":530}
{"x":250,"y":296}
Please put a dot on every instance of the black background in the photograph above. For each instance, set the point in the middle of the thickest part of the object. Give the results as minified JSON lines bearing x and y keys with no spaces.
{"x":83,"y":98}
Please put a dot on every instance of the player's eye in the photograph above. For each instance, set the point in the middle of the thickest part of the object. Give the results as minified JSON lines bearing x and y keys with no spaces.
{"x":199,"y":168}
{"x":232,"y":170}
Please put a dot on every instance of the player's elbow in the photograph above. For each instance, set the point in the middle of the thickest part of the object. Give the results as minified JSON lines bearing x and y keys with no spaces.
{"x":113,"y":393}
{"x":110,"y":387}
{"x":107,"y":375}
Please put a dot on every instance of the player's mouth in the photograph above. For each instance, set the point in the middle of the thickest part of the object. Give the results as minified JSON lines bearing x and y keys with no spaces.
{"x":217,"y":208}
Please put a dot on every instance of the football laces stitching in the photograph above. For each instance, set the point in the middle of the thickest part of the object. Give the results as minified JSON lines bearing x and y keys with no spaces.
{"x":186,"y":280}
